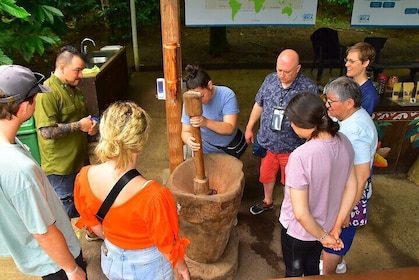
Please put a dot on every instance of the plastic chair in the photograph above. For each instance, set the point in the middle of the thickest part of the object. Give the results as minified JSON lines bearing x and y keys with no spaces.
{"x":378,"y":44}
{"x":327,"y":50}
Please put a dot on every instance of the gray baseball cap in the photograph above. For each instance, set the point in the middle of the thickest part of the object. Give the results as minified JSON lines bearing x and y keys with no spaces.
{"x":17,"y":83}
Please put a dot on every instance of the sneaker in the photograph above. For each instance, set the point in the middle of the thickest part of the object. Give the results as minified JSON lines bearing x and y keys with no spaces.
{"x":341,"y":268}
{"x":92,"y":237}
{"x":261,"y":207}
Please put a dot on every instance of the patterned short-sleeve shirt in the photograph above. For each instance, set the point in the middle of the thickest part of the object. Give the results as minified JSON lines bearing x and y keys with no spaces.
{"x":272,"y":95}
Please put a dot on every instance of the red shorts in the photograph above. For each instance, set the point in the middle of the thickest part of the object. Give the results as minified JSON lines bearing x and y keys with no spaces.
{"x":269,"y":167}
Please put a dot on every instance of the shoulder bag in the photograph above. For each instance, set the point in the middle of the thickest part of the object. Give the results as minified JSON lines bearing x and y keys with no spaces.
{"x":236,"y":147}
{"x":117,"y":188}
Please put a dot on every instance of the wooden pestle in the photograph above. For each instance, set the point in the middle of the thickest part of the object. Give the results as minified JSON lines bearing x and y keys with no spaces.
{"x":193,"y":108}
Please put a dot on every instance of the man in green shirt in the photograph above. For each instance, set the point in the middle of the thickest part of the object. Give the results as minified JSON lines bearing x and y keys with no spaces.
{"x":62,"y":123}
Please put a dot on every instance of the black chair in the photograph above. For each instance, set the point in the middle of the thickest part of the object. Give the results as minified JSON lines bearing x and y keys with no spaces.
{"x":378,"y":44}
{"x":327,"y":51}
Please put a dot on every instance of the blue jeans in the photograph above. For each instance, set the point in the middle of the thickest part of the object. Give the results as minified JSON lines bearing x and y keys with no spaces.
{"x":64,"y":187}
{"x":144,"y":264}
{"x":300,"y":257}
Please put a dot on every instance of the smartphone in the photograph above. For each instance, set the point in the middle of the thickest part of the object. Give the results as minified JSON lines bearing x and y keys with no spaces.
{"x":161,"y":91}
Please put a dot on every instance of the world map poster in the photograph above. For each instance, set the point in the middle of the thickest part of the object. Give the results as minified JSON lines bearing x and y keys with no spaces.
{"x":250,"y":12}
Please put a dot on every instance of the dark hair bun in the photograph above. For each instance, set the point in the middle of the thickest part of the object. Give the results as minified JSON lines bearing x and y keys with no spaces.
{"x":192,"y":71}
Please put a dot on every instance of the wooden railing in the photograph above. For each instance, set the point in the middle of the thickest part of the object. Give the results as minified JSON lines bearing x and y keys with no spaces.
{"x":409,"y":273}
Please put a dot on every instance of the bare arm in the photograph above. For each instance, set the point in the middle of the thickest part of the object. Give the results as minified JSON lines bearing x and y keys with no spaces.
{"x":182,"y":270}
{"x":253,"y":119}
{"x":362,"y":172}
{"x":98,"y":230}
{"x":188,"y":139}
{"x":226,"y":127}
{"x":299,"y":200}
{"x":54,"y":244}
{"x":346,"y":205}
{"x":63,"y":129}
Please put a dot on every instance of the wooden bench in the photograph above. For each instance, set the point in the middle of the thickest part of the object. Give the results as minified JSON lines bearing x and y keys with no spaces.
{"x":380,"y":67}
{"x":390,"y":274}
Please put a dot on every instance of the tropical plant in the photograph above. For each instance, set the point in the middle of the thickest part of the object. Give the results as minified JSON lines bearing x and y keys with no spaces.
{"x":382,"y":152}
{"x":413,"y":132}
{"x":28,"y":27}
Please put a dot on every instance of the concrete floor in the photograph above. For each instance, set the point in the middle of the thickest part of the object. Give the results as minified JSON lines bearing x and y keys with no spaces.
{"x":390,"y":240}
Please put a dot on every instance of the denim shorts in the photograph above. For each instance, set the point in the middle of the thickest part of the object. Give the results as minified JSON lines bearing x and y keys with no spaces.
{"x":347,"y":236}
{"x":144,"y":264}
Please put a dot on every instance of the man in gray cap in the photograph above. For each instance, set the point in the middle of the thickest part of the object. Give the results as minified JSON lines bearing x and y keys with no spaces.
{"x":35,"y":229}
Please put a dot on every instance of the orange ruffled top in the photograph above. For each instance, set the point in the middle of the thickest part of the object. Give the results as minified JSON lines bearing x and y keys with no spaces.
{"x":148,"y":219}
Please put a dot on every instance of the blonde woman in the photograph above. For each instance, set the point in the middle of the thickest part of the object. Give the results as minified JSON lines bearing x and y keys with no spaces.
{"x":140,"y":230}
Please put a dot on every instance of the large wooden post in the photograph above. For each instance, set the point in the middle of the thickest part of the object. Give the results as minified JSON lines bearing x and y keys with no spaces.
{"x":172,"y":68}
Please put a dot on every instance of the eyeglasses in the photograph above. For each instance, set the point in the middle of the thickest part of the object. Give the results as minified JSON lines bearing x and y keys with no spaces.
{"x":330,"y":102}
{"x":350,"y":61}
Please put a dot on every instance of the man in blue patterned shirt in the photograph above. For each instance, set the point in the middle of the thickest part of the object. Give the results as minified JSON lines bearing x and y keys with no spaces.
{"x":275,"y":133}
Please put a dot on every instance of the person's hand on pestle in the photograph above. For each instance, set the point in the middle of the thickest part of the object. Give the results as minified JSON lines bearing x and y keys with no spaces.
{"x":198,"y":121}
{"x":192,"y":144}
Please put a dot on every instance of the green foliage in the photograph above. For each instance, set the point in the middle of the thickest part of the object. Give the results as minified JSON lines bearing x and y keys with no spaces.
{"x":77,"y":12}
{"x":4,"y":59}
{"x":9,"y":7}
{"x":347,"y":3}
{"x":118,"y":14}
{"x":29,"y":27}
{"x":381,"y":127}
{"x":336,"y":12}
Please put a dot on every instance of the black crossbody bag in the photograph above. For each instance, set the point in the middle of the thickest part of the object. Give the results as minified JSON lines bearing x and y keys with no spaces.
{"x":117,"y":188}
{"x":236,"y":147}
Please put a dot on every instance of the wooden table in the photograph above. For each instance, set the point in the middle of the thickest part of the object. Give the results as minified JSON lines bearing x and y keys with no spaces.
{"x":380,"y":67}
{"x":392,"y":122}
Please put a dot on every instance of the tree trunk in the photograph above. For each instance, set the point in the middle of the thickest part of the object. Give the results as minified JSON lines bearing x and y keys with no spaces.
{"x":218,"y":44}
{"x":105,"y":8}
{"x":172,"y":68}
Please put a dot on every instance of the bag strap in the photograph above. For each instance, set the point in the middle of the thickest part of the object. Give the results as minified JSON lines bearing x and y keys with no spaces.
{"x":221,"y":147}
{"x":117,"y":188}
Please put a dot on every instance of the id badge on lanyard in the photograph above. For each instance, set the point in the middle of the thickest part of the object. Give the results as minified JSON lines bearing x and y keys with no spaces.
{"x":277,"y":118}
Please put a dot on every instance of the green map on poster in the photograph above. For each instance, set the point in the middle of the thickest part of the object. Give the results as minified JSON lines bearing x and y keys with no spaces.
{"x":250,"y":12}
{"x":286,"y":7}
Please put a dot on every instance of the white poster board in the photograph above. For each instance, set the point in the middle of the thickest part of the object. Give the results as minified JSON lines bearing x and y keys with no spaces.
{"x":385,"y":13}
{"x":250,"y":12}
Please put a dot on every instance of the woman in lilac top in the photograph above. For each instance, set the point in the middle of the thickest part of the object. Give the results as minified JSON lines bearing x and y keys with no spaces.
{"x":318,"y":174}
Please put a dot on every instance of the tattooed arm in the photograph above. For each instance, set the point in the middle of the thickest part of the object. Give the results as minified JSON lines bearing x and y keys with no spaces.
{"x":63,"y":129}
